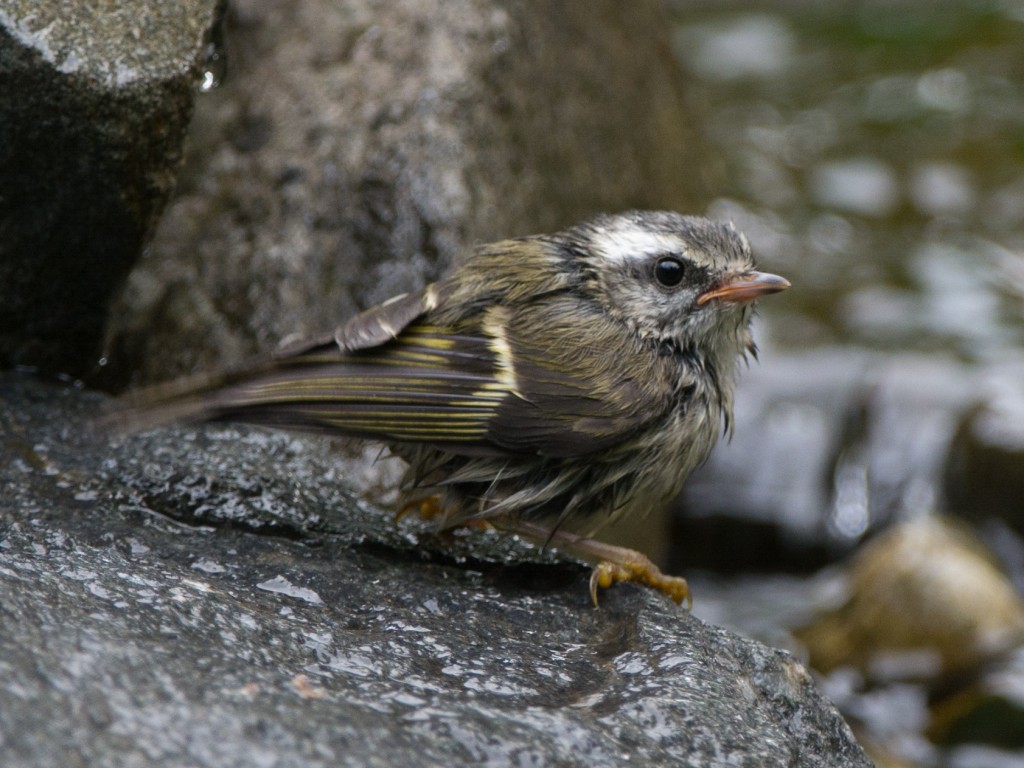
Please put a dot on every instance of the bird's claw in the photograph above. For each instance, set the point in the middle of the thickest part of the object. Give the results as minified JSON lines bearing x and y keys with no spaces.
{"x":606,"y":573}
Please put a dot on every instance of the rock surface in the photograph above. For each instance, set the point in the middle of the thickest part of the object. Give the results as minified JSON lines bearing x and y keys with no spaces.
{"x":216,"y":598}
{"x":97,"y":99}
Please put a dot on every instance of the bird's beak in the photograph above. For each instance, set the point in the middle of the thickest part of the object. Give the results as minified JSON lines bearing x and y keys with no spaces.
{"x":745,"y":287}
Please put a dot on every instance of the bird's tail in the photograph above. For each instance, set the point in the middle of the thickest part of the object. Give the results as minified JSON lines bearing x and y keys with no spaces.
{"x":189,"y":400}
{"x":429,"y":387}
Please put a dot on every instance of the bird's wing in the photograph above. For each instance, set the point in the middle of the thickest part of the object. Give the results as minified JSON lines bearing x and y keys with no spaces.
{"x":552,"y":378}
{"x":427,"y":385}
{"x":386,"y":321}
{"x":580,"y":383}
{"x":529,"y":381}
{"x":266,"y":389}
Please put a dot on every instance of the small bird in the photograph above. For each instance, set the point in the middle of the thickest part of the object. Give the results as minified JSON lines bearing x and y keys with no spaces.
{"x":548,"y":386}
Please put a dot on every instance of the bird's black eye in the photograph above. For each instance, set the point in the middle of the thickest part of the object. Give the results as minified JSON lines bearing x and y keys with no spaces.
{"x":669,"y":271}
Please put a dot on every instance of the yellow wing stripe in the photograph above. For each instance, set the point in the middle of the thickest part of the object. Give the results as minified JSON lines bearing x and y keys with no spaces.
{"x":428,"y":384}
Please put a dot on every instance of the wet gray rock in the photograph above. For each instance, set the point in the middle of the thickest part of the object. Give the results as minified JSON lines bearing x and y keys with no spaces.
{"x":984,"y":476}
{"x":989,"y":711}
{"x":829,"y":446}
{"x":359,"y":148}
{"x":217,"y":598}
{"x":97,"y":99}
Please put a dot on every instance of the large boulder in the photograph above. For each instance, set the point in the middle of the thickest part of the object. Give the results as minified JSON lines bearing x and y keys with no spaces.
{"x":97,"y":98}
{"x":216,"y":598}
{"x":360,"y":148}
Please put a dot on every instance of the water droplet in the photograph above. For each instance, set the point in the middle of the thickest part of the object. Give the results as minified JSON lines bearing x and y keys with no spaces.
{"x":215,"y":68}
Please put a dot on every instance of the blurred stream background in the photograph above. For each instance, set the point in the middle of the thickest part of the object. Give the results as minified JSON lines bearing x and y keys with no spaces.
{"x":868,"y":513}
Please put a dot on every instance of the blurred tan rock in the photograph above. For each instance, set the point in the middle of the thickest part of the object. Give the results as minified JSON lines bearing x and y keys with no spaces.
{"x":926,"y":602}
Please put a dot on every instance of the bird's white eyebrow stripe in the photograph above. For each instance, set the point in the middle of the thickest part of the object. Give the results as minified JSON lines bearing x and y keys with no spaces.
{"x":628,"y":244}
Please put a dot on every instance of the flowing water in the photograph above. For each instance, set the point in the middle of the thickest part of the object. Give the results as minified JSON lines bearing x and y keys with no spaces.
{"x":873,"y":152}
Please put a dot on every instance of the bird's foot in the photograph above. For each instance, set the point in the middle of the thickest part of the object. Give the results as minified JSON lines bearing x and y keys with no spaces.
{"x":431,"y":509}
{"x":426,"y":507}
{"x":642,"y":571}
{"x":614,"y":564}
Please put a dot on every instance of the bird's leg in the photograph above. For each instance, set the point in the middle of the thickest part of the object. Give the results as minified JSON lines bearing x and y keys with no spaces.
{"x":427,"y":507}
{"x":432,"y":509}
{"x":614,"y":564}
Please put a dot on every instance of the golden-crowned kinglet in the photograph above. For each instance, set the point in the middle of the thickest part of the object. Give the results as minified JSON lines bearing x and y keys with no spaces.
{"x":549,"y":385}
